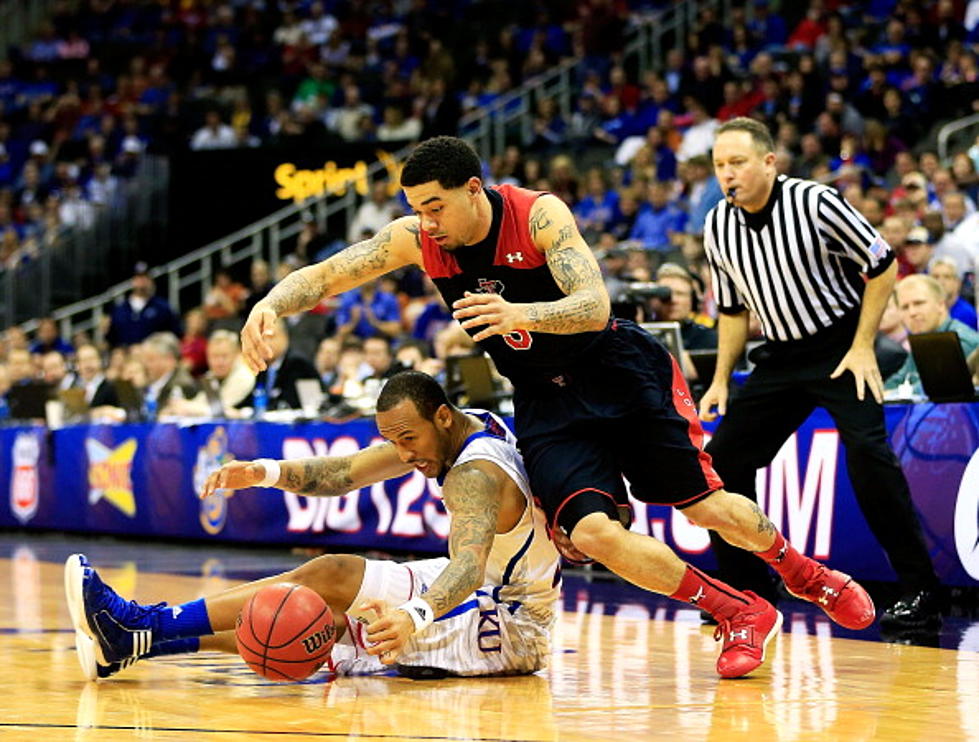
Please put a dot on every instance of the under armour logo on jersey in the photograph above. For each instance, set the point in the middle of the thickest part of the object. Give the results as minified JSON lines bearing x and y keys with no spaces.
{"x":700,"y":593}
{"x":514,"y":257}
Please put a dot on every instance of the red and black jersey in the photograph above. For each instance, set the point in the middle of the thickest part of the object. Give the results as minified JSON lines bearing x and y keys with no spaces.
{"x":509,"y":264}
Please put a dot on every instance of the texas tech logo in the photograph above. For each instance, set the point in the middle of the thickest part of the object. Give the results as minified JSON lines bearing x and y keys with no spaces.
{"x":490,"y":286}
{"x":318,"y":639}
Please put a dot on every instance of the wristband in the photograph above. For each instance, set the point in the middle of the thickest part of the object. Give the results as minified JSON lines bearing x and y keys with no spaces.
{"x":272,"y":472}
{"x":421,"y":613}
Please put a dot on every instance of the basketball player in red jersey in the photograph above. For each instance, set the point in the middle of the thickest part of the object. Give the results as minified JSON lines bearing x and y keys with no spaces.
{"x":595,"y":398}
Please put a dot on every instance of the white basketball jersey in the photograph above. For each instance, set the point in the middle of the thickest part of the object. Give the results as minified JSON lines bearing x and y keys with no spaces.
{"x":523,"y":564}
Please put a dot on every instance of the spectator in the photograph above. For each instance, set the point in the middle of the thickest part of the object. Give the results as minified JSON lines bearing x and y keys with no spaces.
{"x":946,"y":272}
{"x":395,"y":127}
{"x":99,"y":391}
{"x":660,"y":222}
{"x":699,"y":136}
{"x":215,"y":134}
{"x":312,"y":244}
{"x":696,"y":330}
{"x":703,"y":192}
{"x":261,"y":282}
{"x":327,"y":361}
{"x":353,"y":120}
{"x":54,"y":371}
{"x":226,"y":384}
{"x":20,"y":367}
{"x":946,"y":244}
{"x":368,"y":311}
{"x":166,"y":379}
{"x":193,"y":345}
{"x":284,"y":370}
{"x":225,"y":298}
{"x":921,"y":300}
{"x":141,"y":313}
{"x":596,"y":211}
{"x":378,"y":355}
{"x":916,"y":254}
{"x":49,"y":339}
{"x":374,"y":213}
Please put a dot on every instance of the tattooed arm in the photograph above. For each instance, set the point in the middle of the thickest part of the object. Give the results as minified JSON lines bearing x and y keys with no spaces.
{"x":586,"y":306}
{"x":574,"y":268}
{"x":322,"y":476}
{"x":394,"y":246}
{"x":472,"y":494}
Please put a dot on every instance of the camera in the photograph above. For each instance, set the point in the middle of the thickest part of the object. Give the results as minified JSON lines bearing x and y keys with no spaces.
{"x":641,"y":291}
{"x":630,"y":301}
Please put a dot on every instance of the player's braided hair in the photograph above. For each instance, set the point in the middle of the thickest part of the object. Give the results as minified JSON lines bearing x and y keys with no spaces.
{"x":426,"y":393}
{"x":449,"y":160}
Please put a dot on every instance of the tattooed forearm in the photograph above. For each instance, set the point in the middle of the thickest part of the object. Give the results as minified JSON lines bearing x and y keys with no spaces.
{"x":294,"y":293}
{"x":764,"y":524}
{"x":539,"y":220}
{"x":586,"y":305}
{"x":363,"y":258}
{"x":473,"y":500}
{"x":317,"y":477}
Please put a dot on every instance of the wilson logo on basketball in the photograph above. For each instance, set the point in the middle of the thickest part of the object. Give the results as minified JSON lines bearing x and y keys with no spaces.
{"x":314,"y":642}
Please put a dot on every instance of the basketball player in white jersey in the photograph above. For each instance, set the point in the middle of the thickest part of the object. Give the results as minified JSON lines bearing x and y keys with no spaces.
{"x":488,"y":609}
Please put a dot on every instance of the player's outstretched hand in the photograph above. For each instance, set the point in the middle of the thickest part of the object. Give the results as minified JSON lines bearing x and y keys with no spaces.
{"x":387,"y":636}
{"x":714,"y":402}
{"x":259,"y":327}
{"x":234,"y":475}
{"x":495,"y":314}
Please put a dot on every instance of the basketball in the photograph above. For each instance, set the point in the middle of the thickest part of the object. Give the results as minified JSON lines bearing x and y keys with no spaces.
{"x":285,"y":632}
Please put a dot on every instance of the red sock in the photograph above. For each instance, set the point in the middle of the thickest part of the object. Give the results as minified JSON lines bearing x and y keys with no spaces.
{"x":717,"y":598}
{"x":784,"y":559}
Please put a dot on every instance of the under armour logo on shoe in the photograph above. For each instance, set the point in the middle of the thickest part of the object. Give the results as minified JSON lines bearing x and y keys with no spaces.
{"x":700,"y":593}
{"x":176,"y":610}
{"x":514,"y":257}
{"x":828,"y":593}
{"x":743,"y":634}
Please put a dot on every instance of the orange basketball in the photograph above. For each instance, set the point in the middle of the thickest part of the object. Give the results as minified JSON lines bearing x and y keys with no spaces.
{"x":285,"y":632}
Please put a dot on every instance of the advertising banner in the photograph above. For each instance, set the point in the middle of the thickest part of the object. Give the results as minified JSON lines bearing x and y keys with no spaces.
{"x":142,"y":480}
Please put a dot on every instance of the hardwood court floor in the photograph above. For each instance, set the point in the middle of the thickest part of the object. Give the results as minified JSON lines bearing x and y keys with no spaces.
{"x":627,"y":668}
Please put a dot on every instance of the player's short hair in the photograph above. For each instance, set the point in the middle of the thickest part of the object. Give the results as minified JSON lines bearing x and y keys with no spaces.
{"x":426,"y":393}
{"x":449,"y":160}
{"x":761,"y":137}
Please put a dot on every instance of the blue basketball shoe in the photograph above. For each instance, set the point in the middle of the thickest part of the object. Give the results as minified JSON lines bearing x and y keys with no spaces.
{"x":120,"y":631}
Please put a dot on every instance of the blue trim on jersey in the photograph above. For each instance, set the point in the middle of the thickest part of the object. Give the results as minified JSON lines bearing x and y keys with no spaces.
{"x":491,"y":431}
{"x":508,"y":572}
{"x":460,"y":609}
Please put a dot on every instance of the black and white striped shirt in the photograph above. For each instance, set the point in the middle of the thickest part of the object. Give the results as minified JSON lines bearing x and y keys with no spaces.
{"x":799,"y":264}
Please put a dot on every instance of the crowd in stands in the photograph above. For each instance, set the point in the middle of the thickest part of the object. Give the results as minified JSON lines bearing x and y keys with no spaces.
{"x":851,"y":92}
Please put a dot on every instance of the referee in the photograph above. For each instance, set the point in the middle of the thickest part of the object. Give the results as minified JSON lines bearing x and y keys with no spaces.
{"x":817,"y":276}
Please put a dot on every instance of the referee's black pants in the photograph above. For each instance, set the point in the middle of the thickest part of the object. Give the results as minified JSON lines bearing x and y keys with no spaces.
{"x":772,"y":404}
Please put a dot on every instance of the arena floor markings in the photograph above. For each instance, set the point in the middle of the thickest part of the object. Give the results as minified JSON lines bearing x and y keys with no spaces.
{"x":626,"y":666}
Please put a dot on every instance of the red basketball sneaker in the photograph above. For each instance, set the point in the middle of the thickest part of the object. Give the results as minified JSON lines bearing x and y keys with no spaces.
{"x":838,"y":594}
{"x":746,"y":635}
